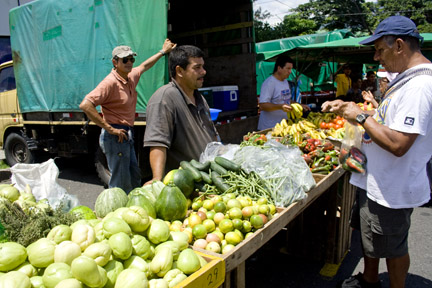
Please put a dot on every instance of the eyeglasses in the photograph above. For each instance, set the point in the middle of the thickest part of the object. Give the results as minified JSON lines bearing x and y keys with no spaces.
{"x":125,"y":60}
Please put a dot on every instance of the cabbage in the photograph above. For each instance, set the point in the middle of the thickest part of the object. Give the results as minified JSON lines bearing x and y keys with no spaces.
{"x":55,"y":273}
{"x":60,"y":233}
{"x":141,"y":247}
{"x":9,"y":192}
{"x":27,"y":269}
{"x":100,"y":252}
{"x":131,"y":278}
{"x":162,"y":261}
{"x":15,"y":279}
{"x":87,"y":271}
{"x":137,"y":218}
{"x":83,"y":212}
{"x":11,"y":255}
{"x":158,"y":231}
{"x":188,"y":262}
{"x":158,"y":283}
{"x":69,"y":283}
{"x":37,"y":282}
{"x":41,"y":253}
{"x":113,"y":269}
{"x":114,"y":225}
{"x":27,"y":197}
{"x":66,"y":252}
{"x":174,"y":277}
{"x":157,"y":187}
{"x":121,"y":245}
{"x":138,"y":263}
{"x":84,"y":235}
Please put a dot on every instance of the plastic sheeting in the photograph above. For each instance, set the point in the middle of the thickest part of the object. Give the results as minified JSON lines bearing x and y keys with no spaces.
{"x":62,"y":48}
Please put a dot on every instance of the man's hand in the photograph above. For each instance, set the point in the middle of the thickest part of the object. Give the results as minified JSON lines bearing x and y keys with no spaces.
{"x":286,"y":108}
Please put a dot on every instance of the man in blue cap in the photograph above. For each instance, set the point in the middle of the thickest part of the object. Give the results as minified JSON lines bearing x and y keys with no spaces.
{"x":397,"y":143}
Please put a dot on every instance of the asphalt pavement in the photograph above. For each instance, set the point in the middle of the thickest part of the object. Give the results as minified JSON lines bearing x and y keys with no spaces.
{"x":268,"y":267}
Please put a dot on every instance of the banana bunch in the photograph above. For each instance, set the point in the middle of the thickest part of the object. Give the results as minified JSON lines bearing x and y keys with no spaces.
{"x":337,"y":134}
{"x":317,"y":117}
{"x":296,"y":112}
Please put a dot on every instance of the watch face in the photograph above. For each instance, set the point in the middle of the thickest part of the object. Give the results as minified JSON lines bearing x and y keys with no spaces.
{"x":361,"y":118}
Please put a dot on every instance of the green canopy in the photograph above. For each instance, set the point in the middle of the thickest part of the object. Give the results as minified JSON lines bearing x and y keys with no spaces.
{"x":269,"y":50}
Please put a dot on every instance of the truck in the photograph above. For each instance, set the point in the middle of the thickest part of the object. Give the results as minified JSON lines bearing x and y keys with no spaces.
{"x":61,"y":50}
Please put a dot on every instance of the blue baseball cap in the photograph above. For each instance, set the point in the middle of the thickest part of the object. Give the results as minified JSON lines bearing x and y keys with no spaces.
{"x":394,"y":25}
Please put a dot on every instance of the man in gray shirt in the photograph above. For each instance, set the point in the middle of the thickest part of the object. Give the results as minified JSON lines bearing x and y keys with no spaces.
{"x":179,"y":126}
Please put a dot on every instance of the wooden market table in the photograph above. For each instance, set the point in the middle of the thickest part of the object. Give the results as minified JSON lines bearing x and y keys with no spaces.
{"x":338,"y":230}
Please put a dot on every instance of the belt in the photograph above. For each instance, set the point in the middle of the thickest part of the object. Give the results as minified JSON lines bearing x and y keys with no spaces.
{"x":120,"y":126}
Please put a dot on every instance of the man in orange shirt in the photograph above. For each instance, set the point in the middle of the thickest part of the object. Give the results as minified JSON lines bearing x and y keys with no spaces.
{"x":117,"y":96}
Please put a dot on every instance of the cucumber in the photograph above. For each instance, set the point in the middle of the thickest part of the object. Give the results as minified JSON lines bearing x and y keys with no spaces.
{"x":200,"y":166}
{"x":219,"y":182}
{"x":206,"y":177}
{"x":217,"y":168}
{"x":227,"y":164}
{"x":195,"y":172}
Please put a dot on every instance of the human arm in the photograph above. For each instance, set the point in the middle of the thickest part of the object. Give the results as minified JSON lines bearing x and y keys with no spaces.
{"x":91,"y":112}
{"x":395,"y":142}
{"x":368,"y":96}
{"x":273,"y":107}
{"x":157,"y":162}
{"x":148,"y":63}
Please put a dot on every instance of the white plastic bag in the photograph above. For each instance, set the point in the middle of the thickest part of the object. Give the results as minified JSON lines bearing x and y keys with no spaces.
{"x":42,"y":178}
{"x":214,"y":149}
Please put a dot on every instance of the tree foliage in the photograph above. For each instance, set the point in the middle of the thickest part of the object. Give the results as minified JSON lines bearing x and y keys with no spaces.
{"x":327,"y":15}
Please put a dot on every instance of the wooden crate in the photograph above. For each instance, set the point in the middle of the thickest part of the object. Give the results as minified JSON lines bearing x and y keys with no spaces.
{"x":330,"y":238}
{"x":235,"y":259}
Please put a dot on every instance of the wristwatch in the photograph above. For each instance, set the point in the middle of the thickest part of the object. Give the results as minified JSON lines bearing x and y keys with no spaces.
{"x":162,"y":52}
{"x":361,"y":118}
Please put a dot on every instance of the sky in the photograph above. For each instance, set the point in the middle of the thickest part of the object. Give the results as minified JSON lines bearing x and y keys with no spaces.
{"x":277,"y":8}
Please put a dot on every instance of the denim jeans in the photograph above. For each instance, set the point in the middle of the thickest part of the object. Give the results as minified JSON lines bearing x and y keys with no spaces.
{"x":122,"y":161}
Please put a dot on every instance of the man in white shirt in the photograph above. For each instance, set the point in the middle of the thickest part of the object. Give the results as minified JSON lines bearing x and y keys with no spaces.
{"x":276,"y":95}
{"x":397,"y":144}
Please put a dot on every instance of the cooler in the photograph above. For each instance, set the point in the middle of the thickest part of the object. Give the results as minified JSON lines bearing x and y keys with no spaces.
{"x":208,"y":95}
{"x":225,"y":98}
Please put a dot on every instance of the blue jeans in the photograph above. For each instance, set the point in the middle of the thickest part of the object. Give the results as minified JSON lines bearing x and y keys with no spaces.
{"x":122,"y":160}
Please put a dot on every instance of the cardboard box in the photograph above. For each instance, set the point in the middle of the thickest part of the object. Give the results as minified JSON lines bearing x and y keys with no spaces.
{"x":225,"y":97}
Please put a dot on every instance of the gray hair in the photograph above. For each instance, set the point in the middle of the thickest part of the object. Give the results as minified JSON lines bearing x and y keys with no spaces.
{"x":413,"y":42}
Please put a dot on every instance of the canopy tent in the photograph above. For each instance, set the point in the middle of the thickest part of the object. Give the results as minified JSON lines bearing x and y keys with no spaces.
{"x":269,"y":50}
{"x":312,"y":57}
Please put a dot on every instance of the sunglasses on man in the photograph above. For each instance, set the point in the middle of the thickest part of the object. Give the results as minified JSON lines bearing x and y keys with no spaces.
{"x":126,"y":59}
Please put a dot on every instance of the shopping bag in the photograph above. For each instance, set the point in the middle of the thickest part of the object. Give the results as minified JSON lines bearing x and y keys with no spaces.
{"x":351,"y":157}
{"x":42,"y":179}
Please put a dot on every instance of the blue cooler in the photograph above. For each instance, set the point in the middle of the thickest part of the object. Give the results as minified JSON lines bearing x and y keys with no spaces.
{"x":225,"y":98}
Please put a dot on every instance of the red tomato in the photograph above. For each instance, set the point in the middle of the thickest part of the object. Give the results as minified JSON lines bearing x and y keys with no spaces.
{"x":323,"y":125}
{"x":340,"y":122}
{"x":337,"y":126}
{"x":331,"y":125}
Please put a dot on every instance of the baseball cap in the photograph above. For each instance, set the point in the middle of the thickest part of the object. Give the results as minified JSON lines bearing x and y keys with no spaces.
{"x":122,"y":51}
{"x":394,"y":25}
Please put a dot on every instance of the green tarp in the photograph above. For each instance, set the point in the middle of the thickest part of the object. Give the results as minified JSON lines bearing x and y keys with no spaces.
{"x":62,"y":48}
{"x":268,"y":51}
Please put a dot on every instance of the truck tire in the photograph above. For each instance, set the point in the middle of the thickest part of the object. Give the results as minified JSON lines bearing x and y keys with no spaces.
{"x":17,"y":150}
{"x":102,"y":169}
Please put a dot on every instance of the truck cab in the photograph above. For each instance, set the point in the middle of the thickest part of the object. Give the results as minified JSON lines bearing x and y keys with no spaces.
{"x":11,"y":122}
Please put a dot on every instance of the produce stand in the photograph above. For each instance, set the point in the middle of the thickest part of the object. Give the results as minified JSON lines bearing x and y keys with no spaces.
{"x":338,"y":238}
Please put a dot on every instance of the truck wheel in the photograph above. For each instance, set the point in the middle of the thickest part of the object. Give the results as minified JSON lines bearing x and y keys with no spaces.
{"x":17,"y":151}
{"x":102,"y":167}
